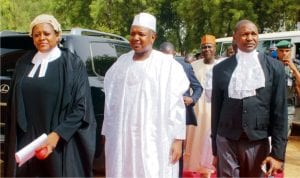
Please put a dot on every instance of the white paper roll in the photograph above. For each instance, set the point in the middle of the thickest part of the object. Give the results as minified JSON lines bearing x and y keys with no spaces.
{"x":28,"y":151}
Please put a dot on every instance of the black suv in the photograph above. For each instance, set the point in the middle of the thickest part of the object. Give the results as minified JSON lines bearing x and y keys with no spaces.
{"x":98,"y":50}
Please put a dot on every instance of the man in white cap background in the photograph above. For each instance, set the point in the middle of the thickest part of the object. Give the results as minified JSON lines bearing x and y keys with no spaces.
{"x":144,"y":118}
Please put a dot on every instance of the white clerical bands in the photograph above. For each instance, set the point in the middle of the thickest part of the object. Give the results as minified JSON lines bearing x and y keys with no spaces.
{"x":42,"y":59}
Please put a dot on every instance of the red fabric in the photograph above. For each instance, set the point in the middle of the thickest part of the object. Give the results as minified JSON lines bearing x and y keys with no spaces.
{"x":278,"y":175}
{"x":190,"y":174}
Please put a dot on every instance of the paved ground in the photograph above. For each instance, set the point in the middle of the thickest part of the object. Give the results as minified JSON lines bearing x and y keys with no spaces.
{"x":292,"y":165}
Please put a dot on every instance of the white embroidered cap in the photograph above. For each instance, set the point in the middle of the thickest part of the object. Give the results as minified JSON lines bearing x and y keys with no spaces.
{"x":145,"y":20}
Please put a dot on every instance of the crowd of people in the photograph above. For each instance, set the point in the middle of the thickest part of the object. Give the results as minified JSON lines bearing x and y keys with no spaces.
{"x":164,"y":117}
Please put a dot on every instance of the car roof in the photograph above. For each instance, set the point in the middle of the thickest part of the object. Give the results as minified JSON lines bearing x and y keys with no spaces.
{"x":88,"y":32}
{"x":23,"y":41}
{"x":73,"y":32}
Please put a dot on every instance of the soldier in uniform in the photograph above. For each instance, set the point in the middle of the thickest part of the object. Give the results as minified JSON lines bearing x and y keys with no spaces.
{"x":293,"y":77}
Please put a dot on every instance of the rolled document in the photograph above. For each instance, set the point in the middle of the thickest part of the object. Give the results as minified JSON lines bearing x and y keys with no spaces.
{"x":28,"y":151}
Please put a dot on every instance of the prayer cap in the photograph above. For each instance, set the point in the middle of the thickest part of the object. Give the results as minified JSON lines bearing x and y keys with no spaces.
{"x":45,"y":18}
{"x":145,"y":20}
{"x":208,"y":39}
{"x":284,"y":44}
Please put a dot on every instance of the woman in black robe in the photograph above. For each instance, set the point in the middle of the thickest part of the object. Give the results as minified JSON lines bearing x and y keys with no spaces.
{"x":51,"y":94}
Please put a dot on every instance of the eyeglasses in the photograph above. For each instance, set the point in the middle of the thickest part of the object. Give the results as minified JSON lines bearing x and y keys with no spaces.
{"x":206,"y":47}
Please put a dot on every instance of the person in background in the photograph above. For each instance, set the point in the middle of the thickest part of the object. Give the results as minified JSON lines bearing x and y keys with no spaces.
{"x":198,"y":154}
{"x":230,"y":51}
{"x":191,"y":96}
{"x":272,"y":51}
{"x":168,"y":48}
{"x":248,"y":107}
{"x":51,"y":94}
{"x":189,"y":58}
{"x":284,"y":48}
{"x":198,"y":55}
{"x":144,"y":117}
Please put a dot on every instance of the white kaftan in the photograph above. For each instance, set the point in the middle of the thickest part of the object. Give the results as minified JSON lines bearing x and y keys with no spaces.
{"x":198,"y":153}
{"x":144,"y":113}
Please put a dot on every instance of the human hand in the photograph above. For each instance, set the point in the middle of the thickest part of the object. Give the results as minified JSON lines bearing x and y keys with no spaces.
{"x":287,"y":60}
{"x":187,"y":100}
{"x":176,"y":151}
{"x":272,"y":166}
{"x":52,"y":140}
{"x":45,"y":150}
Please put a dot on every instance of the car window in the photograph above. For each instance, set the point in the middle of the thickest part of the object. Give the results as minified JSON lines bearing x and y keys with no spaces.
{"x":9,"y":60}
{"x":122,"y":48}
{"x":12,"y":48}
{"x":104,"y":54}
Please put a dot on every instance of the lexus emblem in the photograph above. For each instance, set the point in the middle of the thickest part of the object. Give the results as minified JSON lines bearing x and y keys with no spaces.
{"x":4,"y":88}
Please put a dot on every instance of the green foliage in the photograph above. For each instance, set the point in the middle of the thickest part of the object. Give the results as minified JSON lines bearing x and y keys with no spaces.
{"x":72,"y":13}
{"x":181,"y":22}
{"x":17,"y":14}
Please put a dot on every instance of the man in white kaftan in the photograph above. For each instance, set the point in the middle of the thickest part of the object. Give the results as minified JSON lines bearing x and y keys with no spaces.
{"x":144,"y":111}
{"x":198,"y":155}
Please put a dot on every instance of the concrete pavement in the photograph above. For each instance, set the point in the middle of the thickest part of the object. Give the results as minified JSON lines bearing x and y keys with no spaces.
{"x":292,"y":162}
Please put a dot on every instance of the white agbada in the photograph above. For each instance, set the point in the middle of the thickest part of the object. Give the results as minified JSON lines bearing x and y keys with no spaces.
{"x":144,"y":113}
{"x":198,"y":146}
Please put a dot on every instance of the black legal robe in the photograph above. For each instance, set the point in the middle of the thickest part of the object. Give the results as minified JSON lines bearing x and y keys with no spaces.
{"x":72,"y":118}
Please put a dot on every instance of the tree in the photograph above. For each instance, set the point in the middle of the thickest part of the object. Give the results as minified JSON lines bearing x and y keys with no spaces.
{"x":18,"y":17}
{"x":181,"y":22}
{"x":116,"y":15}
{"x":75,"y":13}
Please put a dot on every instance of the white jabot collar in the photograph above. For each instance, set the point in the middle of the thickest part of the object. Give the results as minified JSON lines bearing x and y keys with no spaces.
{"x":43,"y":59}
{"x":247,"y":76}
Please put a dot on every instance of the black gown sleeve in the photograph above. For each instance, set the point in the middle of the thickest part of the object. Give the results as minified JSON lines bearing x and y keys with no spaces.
{"x":74,"y":117}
